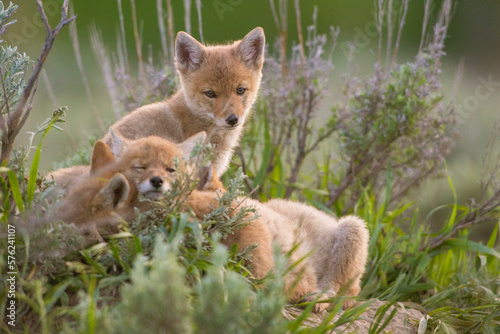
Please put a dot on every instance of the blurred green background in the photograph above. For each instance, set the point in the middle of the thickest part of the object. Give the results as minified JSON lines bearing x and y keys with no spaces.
{"x":474,"y":37}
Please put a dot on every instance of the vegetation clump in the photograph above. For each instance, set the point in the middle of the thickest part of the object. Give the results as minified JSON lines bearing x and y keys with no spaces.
{"x":166,"y":271}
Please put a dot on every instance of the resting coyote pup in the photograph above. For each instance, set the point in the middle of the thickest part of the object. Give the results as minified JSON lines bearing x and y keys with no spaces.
{"x":336,"y":251}
{"x":107,"y":197}
{"x":143,"y":166}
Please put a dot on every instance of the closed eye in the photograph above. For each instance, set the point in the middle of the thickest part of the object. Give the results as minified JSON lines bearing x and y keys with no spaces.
{"x":139,"y":167}
{"x":170,"y":170}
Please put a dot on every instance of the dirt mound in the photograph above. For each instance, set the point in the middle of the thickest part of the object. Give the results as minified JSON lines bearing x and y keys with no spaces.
{"x":405,"y":321}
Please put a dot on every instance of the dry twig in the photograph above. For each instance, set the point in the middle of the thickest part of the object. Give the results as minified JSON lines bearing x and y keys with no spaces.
{"x":73,"y":33}
{"x":17,"y":119}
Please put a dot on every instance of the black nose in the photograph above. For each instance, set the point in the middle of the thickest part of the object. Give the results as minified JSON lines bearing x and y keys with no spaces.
{"x":156,"y":181}
{"x":232,"y":120}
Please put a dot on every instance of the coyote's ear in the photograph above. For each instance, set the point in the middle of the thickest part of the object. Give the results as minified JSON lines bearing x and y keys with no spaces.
{"x":209,"y":180}
{"x":113,"y":194}
{"x":251,"y":48}
{"x":101,"y":157}
{"x":119,"y":142}
{"x":189,"y":144}
{"x":189,"y":53}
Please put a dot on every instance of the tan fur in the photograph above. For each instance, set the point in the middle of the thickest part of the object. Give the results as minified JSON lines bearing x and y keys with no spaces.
{"x":102,"y":161}
{"x":68,"y":177}
{"x":338,"y":248}
{"x":203,"y":202}
{"x":209,"y":180}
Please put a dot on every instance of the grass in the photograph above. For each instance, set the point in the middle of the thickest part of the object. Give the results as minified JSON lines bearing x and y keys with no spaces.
{"x":116,"y":285}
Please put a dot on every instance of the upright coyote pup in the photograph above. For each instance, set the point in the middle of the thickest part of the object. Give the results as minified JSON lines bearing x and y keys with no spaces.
{"x":218,"y":86}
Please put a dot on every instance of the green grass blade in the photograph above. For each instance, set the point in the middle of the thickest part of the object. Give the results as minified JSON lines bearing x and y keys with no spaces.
{"x":388,"y":191}
{"x":387,"y":320}
{"x":469,"y":245}
{"x":94,"y":264}
{"x":6,"y":200}
{"x":493,"y":237}
{"x":49,"y":123}
{"x":33,"y":175}
{"x":16,"y":191}
{"x":278,"y":177}
{"x":57,"y":293}
{"x":453,"y":215}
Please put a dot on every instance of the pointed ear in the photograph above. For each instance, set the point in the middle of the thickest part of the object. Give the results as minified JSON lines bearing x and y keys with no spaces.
{"x":189,"y":144}
{"x":209,"y":180}
{"x":119,"y":142}
{"x":113,"y":194}
{"x":189,"y":53}
{"x":251,"y":48}
{"x":101,"y":157}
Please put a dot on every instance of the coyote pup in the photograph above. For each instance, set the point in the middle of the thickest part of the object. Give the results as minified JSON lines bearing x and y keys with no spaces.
{"x":334,"y":251}
{"x":218,"y":86}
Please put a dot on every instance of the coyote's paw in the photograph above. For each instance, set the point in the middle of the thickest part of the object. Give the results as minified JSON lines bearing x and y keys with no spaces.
{"x":348,"y":303}
{"x":319,"y":296}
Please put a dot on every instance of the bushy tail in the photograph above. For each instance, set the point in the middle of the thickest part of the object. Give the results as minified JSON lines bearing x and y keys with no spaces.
{"x":348,"y":256}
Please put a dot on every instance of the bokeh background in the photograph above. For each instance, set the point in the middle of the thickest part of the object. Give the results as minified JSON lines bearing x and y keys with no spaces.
{"x":474,"y":38}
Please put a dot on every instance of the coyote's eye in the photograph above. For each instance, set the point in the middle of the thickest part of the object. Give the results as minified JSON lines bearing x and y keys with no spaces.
{"x":139,"y":168}
{"x":170,"y":170}
{"x":240,"y":90}
{"x":210,"y":93}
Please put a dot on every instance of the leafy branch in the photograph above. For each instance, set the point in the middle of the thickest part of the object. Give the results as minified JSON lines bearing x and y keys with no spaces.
{"x":11,"y":123}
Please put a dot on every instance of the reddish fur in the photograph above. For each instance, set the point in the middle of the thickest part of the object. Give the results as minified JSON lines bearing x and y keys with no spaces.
{"x":85,"y":207}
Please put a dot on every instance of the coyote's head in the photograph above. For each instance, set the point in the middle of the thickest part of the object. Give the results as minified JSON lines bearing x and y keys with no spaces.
{"x":102,"y":198}
{"x":221,"y":82}
{"x":150,"y":163}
